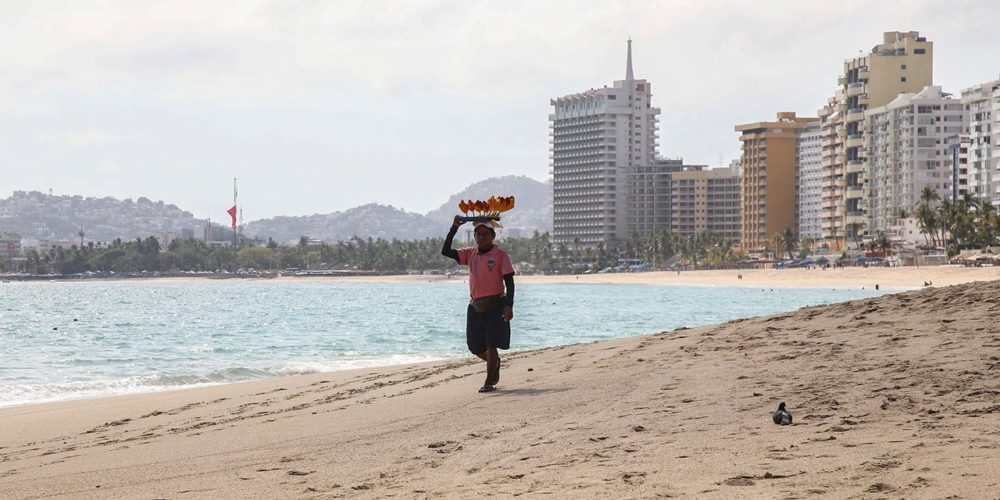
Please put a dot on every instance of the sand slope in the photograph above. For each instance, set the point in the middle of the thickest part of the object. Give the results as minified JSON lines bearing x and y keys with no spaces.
{"x":892,"y":397}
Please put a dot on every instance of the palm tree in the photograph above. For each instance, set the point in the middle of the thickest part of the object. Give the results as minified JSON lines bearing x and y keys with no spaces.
{"x":776,"y":244}
{"x":691,"y":249}
{"x":789,"y":242}
{"x":947,"y":216}
{"x":928,"y":195}
{"x":883,"y":243}
{"x":987,"y":224}
{"x":854,"y":231}
{"x":927,"y":221}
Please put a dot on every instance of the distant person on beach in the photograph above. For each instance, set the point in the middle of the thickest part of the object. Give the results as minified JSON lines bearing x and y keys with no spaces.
{"x":491,"y":287}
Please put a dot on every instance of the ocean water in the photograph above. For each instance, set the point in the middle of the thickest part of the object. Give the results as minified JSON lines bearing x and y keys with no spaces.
{"x":66,"y":340}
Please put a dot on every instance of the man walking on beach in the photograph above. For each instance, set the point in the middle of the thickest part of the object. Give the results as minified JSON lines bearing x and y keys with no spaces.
{"x":491,"y":286}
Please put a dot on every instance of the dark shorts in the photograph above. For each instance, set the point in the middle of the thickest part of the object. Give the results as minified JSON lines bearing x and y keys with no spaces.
{"x":488,"y":329}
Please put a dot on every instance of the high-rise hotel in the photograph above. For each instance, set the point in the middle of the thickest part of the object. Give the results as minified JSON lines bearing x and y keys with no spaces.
{"x":901,"y":63}
{"x":603,"y":145}
{"x":768,"y":182}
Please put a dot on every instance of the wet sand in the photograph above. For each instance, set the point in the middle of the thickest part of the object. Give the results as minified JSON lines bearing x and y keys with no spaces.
{"x":894,"y":396}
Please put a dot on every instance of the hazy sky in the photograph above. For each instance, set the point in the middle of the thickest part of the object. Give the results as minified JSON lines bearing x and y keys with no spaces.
{"x":319,"y":106}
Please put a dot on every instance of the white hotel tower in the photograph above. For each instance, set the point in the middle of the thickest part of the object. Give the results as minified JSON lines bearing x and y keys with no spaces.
{"x":599,"y":138}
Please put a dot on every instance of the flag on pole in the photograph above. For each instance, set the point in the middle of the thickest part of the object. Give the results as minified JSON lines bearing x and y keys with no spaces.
{"x":232,"y":213}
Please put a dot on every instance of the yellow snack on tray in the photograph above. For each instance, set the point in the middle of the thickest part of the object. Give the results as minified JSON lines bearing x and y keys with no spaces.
{"x":488,"y":211}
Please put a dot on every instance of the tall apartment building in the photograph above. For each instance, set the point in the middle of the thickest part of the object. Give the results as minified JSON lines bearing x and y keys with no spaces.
{"x":982,"y":124}
{"x":901,"y":63}
{"x":832,"y":162}
{"x":768,"y":179}
{"x":965,"y":181}
{"x":809,"y":166}
{"x":907,"y":149}
{"x":648,"y":188}
{"x":600,"y":140}
{"x":706,"y":200}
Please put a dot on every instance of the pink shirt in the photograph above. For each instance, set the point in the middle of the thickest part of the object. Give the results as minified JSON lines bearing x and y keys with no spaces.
{"x":486,"y":271}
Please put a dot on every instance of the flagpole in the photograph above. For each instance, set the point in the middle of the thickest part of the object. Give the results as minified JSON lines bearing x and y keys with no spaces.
{"x":235,"y":242}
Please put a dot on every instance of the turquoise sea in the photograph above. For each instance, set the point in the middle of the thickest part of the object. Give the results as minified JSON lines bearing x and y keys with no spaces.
{"x":65,"y":340}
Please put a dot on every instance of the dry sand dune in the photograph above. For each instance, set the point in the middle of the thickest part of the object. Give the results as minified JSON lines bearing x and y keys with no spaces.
{"x":892,"y":397}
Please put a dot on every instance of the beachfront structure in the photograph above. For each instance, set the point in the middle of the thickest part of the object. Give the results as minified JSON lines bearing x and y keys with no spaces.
{"x":767,"y":179}
{"x":832,"y":162}
{"x":982,"y":124}
{"x":648,"y":192}
{"x":601,"y":140}
{"x":964,"y":182}
{"x":706,"y":200}
{"x":901,"y":63}
{"x":907,"y":149}
{"x":809,"y":165}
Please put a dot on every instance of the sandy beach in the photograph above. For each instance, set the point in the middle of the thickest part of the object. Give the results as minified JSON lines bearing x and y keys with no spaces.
{"x":892,"y":397}
{"x":892,"y":277}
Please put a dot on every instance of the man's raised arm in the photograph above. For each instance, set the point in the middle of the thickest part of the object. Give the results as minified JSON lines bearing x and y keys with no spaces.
{"x":446,"y":249}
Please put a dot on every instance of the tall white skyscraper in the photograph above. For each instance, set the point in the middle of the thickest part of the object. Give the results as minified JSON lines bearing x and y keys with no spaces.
{"x":601,"y":138}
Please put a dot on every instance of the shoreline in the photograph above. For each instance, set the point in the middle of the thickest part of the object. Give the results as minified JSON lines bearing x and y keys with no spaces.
{"x":901,"y":278}
{"x":897,"y":278}
{"x":917,"y":418}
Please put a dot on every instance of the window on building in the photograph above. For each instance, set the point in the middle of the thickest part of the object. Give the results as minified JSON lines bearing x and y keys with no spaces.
{"x":902,"y":66}
{"x":919,"y":51}
{"x":902,"y":78}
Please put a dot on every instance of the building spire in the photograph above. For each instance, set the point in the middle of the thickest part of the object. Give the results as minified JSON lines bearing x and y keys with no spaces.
{"x":628,"y":64}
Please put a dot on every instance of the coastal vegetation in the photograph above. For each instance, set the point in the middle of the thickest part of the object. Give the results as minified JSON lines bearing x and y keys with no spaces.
{"x":536,"y":253}
{"x":967,"y":223}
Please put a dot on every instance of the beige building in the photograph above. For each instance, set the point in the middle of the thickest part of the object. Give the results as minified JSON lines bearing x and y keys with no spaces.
{"x":706,"y":200}
{"x":768,"y":179}
{"x":901,"y":63}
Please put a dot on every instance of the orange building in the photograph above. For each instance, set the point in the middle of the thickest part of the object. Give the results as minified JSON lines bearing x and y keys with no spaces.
{"x":768,"y":199}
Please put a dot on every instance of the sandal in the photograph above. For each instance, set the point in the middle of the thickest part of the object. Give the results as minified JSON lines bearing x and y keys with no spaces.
{"x":487,"y":388}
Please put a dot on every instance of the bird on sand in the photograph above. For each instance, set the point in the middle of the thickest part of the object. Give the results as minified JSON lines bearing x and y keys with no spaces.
{"x":781,"y":416}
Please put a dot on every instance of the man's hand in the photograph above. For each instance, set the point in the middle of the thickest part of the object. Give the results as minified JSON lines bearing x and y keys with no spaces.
{"x":457,"y":222}
{"x":508,"y":313}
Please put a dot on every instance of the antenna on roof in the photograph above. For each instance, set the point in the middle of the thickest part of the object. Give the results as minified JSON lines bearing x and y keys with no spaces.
{"x":628,"y":62}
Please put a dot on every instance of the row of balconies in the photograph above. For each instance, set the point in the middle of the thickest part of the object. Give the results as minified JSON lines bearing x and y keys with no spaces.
{"x":570,"y":163}
{"x":580,"y":127}
{"x":590,"y":118}
{"x":583,"y":143}
{"x":577,"y":190}
{"x":590,"y":131}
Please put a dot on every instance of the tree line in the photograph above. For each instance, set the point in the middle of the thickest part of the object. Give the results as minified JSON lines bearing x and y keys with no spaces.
{"x":967,"y":223}
{"x":535,"y":253}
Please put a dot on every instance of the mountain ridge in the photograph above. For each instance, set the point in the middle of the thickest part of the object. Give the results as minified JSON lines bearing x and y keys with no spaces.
{"x":39,"y":216}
